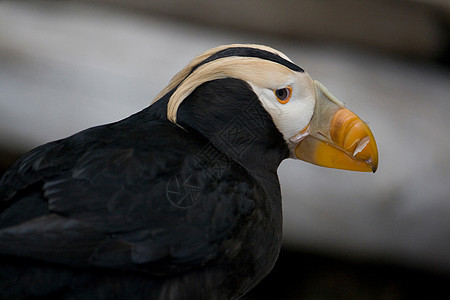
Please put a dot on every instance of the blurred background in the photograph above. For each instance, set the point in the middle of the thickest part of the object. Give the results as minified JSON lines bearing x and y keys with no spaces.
{"x":69,"y":65}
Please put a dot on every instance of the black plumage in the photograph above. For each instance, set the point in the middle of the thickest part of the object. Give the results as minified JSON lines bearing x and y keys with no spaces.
{"x":145,"y":208}
{"x":180,"y":200}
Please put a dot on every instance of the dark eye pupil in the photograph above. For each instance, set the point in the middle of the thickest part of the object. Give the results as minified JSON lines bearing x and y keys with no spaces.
{"x":282,"y":94}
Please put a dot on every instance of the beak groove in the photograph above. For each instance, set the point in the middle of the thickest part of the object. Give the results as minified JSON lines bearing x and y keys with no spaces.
{"x":336,"y":137}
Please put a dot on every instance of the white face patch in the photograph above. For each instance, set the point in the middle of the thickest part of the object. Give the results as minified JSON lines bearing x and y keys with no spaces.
{"x":293,"y":116}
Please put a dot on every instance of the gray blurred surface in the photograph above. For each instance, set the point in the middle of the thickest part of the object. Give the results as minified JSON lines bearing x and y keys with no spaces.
{"x":408,"y":27}
{"x":66,"y":66}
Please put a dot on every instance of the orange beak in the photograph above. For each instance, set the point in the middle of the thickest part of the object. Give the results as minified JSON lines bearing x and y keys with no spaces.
{"x":336,"y":137}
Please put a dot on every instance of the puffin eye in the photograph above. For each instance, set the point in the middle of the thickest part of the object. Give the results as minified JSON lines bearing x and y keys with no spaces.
{"x":283,"y":95}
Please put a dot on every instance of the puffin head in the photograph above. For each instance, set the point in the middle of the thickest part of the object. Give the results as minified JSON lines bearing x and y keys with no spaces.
{"x":315,"y":125}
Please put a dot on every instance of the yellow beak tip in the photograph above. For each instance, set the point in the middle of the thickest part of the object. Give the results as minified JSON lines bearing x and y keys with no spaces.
{"x":351,"y":145}
{"x":336,"y":137}
{"x":374,"y":167}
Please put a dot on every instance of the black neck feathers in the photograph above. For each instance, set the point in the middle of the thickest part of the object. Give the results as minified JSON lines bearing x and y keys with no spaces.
{"x":229,"y":115}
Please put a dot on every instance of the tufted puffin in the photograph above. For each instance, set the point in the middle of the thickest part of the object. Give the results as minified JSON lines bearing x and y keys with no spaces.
{"x":182,"y":199}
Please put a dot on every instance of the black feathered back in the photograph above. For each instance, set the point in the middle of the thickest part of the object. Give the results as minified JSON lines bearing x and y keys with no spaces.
{"x":144,"y":207}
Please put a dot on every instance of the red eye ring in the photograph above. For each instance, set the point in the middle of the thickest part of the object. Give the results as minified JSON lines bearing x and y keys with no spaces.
{"x":283,"y":95}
